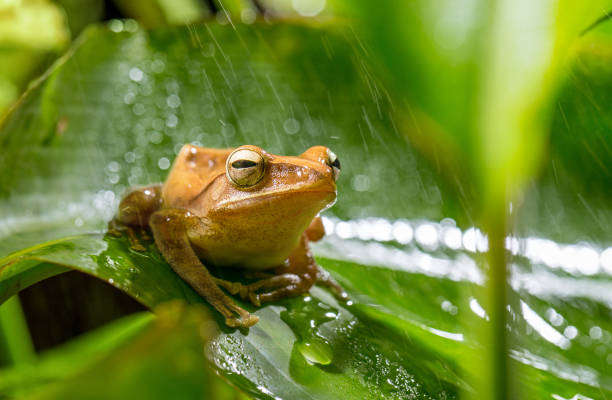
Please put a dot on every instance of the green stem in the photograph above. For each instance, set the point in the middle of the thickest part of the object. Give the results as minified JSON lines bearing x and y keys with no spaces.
{"x":15,"y":342}
{"x":497,"y":298}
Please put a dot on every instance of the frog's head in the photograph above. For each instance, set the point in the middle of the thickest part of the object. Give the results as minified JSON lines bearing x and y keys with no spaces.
{"x":270,"y":196}
{"x":272,"y":183}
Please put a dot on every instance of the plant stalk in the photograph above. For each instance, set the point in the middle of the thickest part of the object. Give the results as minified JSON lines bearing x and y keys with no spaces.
{"x":497,"y":299}
{"x":15,"y":342}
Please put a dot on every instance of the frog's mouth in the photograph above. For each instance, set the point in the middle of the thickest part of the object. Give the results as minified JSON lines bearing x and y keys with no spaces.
{"x":324,"y":194}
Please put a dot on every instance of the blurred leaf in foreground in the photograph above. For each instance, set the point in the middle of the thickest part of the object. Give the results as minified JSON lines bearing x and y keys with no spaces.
{"x":29,"y":31}
{"x":480,"y":78}
{"x":166,"y":360}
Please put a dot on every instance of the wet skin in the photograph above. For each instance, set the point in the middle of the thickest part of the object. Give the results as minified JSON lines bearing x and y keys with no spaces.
{"x":240,"y":208}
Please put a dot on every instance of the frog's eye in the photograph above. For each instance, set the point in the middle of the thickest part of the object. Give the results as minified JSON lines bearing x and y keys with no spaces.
{"x":245,"y":167}
{"x":334,"y":163}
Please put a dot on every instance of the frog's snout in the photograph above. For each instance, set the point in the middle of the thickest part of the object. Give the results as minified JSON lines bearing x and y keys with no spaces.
{"x":334,"y":163}
{"x":325,"y":156}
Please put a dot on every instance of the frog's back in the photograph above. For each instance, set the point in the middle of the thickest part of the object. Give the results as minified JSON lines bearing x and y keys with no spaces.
{"x":192,"y":171}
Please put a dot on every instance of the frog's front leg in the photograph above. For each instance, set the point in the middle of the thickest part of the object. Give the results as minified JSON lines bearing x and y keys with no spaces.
{"x":170,"y":228}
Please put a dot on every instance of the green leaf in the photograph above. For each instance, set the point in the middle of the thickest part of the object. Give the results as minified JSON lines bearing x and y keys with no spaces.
{"x":134,"y":358}
{"x":78,"y":354}
{"x":114,"y":111}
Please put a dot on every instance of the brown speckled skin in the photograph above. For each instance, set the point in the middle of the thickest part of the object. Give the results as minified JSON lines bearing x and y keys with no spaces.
{"x":199,"y":215}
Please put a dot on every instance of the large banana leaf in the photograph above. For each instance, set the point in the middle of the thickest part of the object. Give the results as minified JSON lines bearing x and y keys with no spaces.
{"x":113,"y":112}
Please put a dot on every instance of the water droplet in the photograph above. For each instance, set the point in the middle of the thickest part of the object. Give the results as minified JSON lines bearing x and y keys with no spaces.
{"x":136,"y":74}
{"x":426,"y":235}
{"x":361,"y":183}
{"x":171,"y":121}
{"x":291,"y":126}
{"x":449,"y":307}
{"x":156,"y":137}
{"x":130,"y":25}
{"x":115,"y":25}
{"x":595,"y":333}
{"x":308,"y":8}
{"x":382,"y":230}
{"x":78,"y":222}
{"x":113,"y":166}
{"x":344,"y":230}
{"x":554,"y":317}
{"x":129,"y":98}
{"x":247,"y":16}
{"x":138,"y":109}
{"x":451,"y":237}
{"x":469,"y":240}
{"x":163,"y":163}
{"x":570,"y":332}
{"x":402,"y":232}
{"x":587,"y":260}
{"x":316,"y":352}
{"x":228,"y":130}
{"x":158,"y":66}
{"x":305,"y":318}
{"x":173,"y":101}
{"x":129,"y":157}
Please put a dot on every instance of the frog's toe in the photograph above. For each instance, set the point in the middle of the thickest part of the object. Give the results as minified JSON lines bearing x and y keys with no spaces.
{"x":254,"y":299}
{"x":245,"y":321}
{"x":137,"y":247}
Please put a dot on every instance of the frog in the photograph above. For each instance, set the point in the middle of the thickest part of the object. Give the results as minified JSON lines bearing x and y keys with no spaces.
{"x":238,"y":208}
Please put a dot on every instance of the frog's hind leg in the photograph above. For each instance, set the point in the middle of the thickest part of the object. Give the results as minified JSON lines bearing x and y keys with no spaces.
{"x":280,"y":287}
{"x":137,"y":206}
{"x":294,"y":278}
{"x":135,"y":209}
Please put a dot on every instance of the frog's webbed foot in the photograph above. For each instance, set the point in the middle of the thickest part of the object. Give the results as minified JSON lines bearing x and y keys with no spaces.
{"x":238,"y":288}
{"x":325,"y":279}
{"x":277,"y":287}
{"x":118,"y":229}
{"x":246,"y":319}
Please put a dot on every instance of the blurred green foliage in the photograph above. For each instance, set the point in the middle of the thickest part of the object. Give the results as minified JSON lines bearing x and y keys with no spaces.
{"x":31,"y":31}
{"x":436,"y":109}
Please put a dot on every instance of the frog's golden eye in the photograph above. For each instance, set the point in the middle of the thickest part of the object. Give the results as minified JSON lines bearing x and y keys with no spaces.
{"x":245,"y":167}
{"x":334,"y":163}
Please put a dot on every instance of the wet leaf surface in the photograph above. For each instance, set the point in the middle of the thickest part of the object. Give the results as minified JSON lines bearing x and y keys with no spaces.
{"x":115,"y":110}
